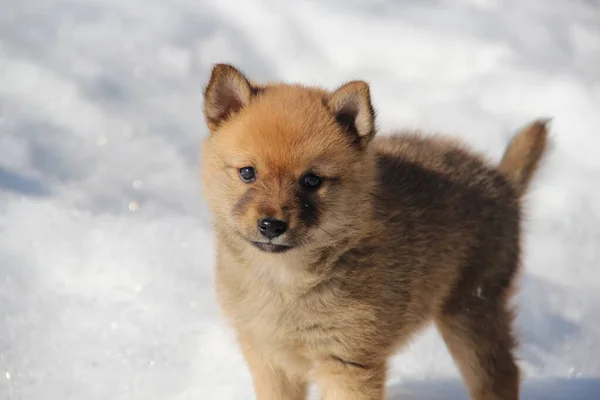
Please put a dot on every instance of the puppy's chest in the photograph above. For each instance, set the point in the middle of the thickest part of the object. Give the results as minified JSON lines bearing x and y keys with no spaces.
{"x":273,"y":312}
{"x":279,"y":316}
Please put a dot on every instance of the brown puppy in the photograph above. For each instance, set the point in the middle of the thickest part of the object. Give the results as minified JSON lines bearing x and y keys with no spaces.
{"x":335,"y":248}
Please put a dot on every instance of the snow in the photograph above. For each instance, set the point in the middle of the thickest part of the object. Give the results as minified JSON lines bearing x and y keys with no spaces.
{"x":106,"y":252}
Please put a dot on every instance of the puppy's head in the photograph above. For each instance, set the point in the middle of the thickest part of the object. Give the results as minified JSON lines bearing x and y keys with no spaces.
{"x":285,"y":166}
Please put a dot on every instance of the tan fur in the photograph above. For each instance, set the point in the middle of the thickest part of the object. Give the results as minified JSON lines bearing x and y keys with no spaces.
{"x":404,"y":230}
{"x":522,"y":157}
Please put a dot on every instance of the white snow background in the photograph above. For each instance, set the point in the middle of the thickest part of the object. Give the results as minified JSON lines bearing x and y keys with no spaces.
{"x":105,"y":245}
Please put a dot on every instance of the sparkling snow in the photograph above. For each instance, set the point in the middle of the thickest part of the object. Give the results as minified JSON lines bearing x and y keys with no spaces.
{"x":105,"y":248}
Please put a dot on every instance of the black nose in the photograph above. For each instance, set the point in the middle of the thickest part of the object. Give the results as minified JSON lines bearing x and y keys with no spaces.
{"x":271,"y":227}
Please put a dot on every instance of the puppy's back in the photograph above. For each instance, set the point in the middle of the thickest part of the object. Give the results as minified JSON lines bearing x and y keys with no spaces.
{"x":447,"y":215}
{"x":438,"y":179}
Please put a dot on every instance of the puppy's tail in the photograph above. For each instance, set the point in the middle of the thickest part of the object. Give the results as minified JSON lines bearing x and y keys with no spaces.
{"x":523,"y":154}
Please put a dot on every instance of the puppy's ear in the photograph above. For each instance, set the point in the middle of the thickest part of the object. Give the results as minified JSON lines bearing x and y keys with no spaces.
{"x":227,"y":92}
{"x":351,"y":104}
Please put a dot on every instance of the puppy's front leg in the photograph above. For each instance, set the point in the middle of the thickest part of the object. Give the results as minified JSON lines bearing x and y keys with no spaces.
{"x":270,"y":381}
{"x":342,"y":380}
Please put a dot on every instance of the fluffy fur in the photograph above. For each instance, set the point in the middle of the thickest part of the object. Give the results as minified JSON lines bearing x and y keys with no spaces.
{"x":403,"y":230}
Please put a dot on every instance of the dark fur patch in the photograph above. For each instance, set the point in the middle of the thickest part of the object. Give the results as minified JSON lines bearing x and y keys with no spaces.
{"x":487,"y":210}
{"x":234,"y":108}
{"x":423,"y":188}
{"x":486,"y":275}
{"x":347,"y":122}
{"x":242,"y":204}
{"x":256,"y":90}
{"x":419,"y":188}
{"x":308,"y":206}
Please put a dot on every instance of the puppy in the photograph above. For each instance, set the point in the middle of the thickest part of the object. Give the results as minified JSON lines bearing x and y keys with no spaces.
{"x":334,"y":248}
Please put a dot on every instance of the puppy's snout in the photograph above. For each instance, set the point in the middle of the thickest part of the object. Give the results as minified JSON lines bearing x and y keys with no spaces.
{"x":271,"y":227}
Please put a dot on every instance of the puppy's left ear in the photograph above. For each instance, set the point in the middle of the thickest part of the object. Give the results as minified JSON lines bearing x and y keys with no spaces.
{"x":227,"y":92}
{"x":351,"y":105}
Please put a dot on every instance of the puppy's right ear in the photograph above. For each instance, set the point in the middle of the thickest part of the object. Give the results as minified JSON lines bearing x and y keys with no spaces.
{"x":227,"y":92}
{"x":353,"y":110}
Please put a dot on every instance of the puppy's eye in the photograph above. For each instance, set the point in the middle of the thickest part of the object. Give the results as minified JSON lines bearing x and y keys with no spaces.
{"x":247,"y":174}
{"x":311,"y":181}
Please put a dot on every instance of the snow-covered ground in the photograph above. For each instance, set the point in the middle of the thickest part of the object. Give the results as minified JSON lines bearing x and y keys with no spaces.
{"x":105,"y":247}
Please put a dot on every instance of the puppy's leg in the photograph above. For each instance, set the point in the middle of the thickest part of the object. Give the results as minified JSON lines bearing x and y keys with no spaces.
{"x":481,"y":344}
{"x":339,"y":380}
{"x":270,"y":382}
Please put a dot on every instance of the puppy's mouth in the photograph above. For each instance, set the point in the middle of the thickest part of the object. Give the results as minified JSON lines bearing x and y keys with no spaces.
{"x":271,"y":247}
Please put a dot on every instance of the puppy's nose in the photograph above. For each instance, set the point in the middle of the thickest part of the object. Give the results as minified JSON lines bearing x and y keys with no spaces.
{"x":271,"y":227}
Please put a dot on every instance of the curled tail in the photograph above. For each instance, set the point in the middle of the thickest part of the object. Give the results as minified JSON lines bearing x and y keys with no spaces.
{"x":523,"y":154}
